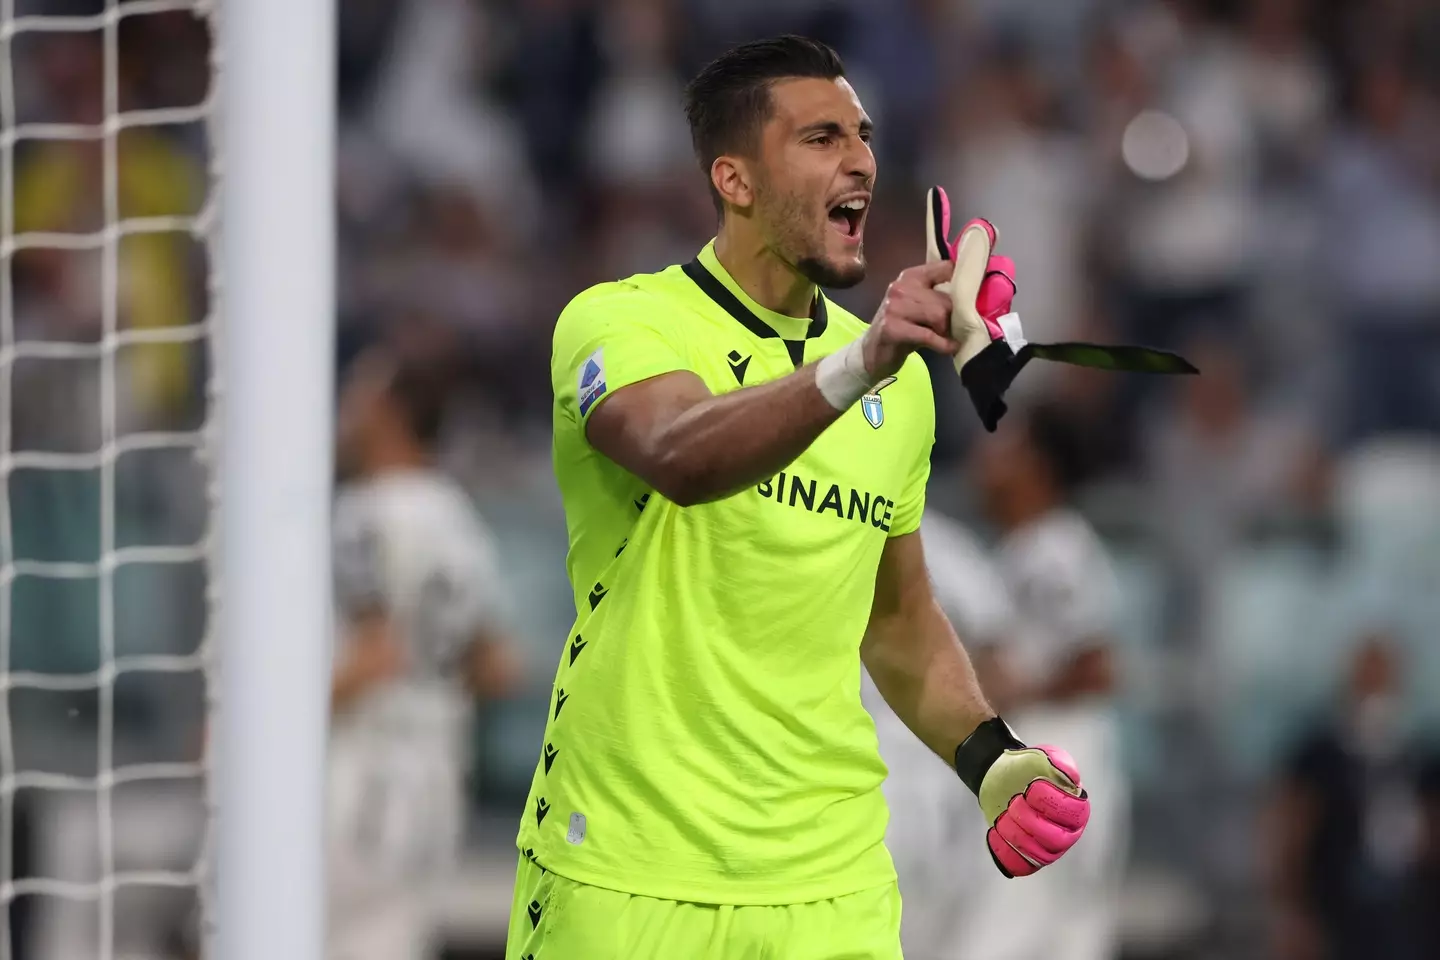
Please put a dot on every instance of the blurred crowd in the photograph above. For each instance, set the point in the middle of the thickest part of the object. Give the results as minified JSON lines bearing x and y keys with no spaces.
{"x":1255,"y":184}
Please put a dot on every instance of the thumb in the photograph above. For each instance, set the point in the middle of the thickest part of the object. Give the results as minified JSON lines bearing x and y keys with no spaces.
{"x":1064,"y":764}
{"x":936,"y":272}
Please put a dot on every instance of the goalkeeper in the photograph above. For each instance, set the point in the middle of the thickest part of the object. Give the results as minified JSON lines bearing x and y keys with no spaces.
{"x":743,"y":467}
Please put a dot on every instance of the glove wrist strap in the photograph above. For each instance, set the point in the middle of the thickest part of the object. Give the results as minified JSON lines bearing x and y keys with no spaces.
{"x":979,"y":751}
{"x":986,"y":378}
{"x":841,"y":376}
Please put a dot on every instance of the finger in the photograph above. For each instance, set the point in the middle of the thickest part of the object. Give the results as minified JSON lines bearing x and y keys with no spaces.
{"x":1022,"y":840}
{"x":992,"y":231}
{"x":1053,"y":803}
{"x":913,"y":334}
{"x":1063,"y":762}
{"x":997,"y":295}
{"x":972,"y":260}
{"x":1010,"y":860}
{"x":929,"y":308}
{"x":1052,"y":837}
{"x":928,"y":275}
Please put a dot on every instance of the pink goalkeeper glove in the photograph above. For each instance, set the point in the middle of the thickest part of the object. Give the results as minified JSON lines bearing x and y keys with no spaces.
{"x":993,"y":348}
{"x":1031,"y":797}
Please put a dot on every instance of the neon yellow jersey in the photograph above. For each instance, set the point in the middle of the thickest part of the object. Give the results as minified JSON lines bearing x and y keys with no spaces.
{"x":706,"y":740}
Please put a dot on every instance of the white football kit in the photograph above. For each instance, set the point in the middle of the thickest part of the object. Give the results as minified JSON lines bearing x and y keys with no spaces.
{"x":408,"y":545}
{"x":936,"y":834}
{"x":1066,"y":595}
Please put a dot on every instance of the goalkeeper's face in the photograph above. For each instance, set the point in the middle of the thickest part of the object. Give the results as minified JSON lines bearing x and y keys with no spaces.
{"x":814,"y":180}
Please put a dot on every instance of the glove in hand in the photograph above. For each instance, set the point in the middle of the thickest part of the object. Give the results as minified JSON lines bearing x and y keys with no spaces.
{"x":1031,"y":797}
{"x":993,"y":348}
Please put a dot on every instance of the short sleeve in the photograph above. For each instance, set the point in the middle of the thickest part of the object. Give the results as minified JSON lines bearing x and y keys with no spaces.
{"x":358,"y":561}
{"x":966,"y":583}
{"x":910,"y":506}
{"x":452,"y":601}
{"x":607,"y":338}
{"x":1066,"y":583}
{"x":463,"y":588}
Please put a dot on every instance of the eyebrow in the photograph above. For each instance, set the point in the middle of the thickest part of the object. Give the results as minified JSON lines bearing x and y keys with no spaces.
{"x":834,"y":127}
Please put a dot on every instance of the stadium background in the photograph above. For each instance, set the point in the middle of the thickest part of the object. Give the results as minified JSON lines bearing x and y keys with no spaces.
{"x":1256,"y":184}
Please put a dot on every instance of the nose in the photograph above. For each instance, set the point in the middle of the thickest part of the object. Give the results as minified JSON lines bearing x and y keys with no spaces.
{"x":860,"y":163}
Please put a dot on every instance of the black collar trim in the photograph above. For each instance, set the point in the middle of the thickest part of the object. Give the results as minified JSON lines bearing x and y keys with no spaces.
{"x":721,"y":294}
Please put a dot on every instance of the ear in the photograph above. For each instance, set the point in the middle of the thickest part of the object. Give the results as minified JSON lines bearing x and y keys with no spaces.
{"x":733,"y":180}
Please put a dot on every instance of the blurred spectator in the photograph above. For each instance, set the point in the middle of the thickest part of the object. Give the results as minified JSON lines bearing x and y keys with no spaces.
{"x":1086,"y":407}
{"x":1061,"y":679}
{"x":366,"y":30}
{"x":1285,"y":86}
{"x":60,"y":187}
{"x":1342,"y":830}
{"x":551,"y":70}
{"x":1426,"y":892}
{"x":636,"y":134}
{"x":1218,"y":461}
{"x":421,"y":618}
{"x":649,"y":206}
{"x":1184,"y":186}
{"x":1382,"y":186}
{"x":430,"y":109}
{"x":894,"y":59}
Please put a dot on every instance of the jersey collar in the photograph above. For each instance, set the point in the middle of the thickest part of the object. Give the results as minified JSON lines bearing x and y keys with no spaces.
{"x":713,"y":279}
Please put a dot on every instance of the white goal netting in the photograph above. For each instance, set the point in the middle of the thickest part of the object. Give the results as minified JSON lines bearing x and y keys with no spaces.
{"x":107,"y":202}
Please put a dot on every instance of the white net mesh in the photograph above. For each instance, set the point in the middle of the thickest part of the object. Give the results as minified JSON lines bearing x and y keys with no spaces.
{"x":107,"y":201}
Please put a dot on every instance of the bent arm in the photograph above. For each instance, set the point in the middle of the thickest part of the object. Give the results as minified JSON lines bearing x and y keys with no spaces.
{"x":692,"y":446}
{"x":372,"y":655}
{"x":914,"y":656}
{"x":494,"y":668}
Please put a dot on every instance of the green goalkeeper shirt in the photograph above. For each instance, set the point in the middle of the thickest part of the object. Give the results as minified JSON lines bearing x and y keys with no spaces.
{"x":705,"y":738}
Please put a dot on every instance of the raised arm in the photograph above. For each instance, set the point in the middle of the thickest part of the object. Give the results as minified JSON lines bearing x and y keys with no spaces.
{"x":692,"y":446}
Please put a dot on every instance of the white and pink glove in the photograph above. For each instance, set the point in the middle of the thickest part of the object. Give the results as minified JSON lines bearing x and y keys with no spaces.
{"x":993,"y":348}
{"x":1031,"y":797}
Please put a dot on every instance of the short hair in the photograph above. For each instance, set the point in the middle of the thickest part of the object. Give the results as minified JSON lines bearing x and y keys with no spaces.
{"x":1053,"y":438}
{"x":418,"y":391}
{"x":728,"y":102}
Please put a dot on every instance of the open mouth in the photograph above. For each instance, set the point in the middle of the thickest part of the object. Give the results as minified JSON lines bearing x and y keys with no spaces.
{"x":848,"y":218}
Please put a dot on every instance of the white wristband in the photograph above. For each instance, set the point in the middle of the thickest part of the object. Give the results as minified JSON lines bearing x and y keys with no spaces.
{"x":841,"y":376}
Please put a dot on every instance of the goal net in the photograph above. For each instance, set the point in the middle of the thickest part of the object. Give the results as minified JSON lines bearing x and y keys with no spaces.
{"x":107,"y":215}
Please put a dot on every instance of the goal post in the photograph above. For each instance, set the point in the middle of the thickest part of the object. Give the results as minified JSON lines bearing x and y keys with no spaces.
{"x":165,"y":562}
{"x":276,"y":383}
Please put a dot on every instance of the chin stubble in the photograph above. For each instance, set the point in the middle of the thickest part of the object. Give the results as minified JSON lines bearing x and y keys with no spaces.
{"x":823,"y":274}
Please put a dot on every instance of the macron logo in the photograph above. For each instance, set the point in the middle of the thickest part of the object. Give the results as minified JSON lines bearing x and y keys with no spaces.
{"x":592,"y":380}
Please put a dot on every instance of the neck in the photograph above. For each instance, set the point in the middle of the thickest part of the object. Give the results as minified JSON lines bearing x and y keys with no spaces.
{"x":394,"y":455}
{"x":765,"y":278}
{"x":1026,"y":510}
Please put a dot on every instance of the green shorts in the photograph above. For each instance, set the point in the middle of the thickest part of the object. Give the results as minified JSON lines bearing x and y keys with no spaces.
{"x":553,"y":918}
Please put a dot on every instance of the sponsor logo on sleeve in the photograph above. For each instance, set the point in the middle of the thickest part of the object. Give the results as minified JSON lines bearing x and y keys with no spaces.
{"x":592,"y":380}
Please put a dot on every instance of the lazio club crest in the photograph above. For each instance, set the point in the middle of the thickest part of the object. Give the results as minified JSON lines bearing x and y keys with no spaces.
{"x":871,"y":406}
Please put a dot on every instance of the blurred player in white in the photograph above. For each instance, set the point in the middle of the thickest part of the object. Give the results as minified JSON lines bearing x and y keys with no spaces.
{"x":935,"y":830}
{"x":419,"y":633}
{"x":1059,"y":664}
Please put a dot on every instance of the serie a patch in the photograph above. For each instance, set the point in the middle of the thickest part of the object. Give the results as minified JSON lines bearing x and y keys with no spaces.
{"x":592,"y":380}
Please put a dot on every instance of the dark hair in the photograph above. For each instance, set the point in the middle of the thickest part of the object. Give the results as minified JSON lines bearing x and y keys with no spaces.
{"x":729,"y":101}
{"x":418,"y":391}
{"x":1054,"y":439}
